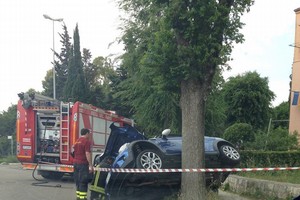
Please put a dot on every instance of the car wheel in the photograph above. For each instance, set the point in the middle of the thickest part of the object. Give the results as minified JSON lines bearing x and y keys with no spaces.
{"x":149,"y":159}
{"x":229,"y":154}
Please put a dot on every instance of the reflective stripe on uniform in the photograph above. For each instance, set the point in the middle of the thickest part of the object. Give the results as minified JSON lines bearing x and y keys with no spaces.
{"x":83,"y":195}
{"x":97,"y":189}
{"x":94,"y":186}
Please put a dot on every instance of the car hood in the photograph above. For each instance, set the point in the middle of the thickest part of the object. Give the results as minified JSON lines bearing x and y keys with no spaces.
{"x":119,"y":136}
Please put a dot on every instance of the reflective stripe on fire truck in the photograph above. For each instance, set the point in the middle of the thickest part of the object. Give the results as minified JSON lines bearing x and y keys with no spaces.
{"x":66,"y":169}
{"x":18,"y":126}
{"x":74,"y":128}
{"x":49,"y":167}
{"x":28,"y":165}
{"x":55,"y":168}
{"x":23,"y":156}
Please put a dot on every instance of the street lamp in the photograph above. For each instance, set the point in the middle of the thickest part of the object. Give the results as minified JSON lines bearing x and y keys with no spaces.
{"x":53,"y":20}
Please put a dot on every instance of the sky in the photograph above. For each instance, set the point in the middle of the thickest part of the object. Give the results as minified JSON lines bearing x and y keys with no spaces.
{"x":26,"y":40}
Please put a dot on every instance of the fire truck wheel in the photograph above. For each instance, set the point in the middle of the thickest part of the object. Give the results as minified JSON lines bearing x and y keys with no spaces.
{"x":51,"y":175}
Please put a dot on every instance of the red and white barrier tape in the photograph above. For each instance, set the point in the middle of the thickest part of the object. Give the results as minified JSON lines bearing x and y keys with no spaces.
{"x":131,"y":170}
{"x":126,"y":170}
{"x":55,"y":164}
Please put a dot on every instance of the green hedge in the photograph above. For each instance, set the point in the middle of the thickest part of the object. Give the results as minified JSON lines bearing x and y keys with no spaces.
{"x":251,"y":159}
{"x":9,"y":159}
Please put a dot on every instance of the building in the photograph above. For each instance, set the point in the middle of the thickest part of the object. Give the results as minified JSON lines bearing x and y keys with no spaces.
{"x":294,"y":124}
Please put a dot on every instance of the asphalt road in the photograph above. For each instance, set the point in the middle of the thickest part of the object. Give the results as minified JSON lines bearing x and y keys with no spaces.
{"x":18,"y":184}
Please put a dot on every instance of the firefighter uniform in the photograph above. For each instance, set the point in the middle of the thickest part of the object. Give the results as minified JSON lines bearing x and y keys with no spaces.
{"x":97,"y":186}
{"x":82,"y":164}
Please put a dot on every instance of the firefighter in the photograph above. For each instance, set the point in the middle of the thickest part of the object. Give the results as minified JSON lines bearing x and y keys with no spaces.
{"x":82,"y":163}
{"x":97,"y":186}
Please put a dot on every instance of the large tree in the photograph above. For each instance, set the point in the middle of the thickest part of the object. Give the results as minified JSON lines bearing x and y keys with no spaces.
{"x":180,"y":43}
{"x":248,"y":100}
{"x":75,"y":86}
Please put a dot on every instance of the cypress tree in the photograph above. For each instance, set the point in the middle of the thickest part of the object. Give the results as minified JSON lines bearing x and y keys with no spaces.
{"x":75,"y":87}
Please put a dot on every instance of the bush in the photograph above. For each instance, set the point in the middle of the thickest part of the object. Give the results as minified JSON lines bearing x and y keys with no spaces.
{"x":277,"y":140}
{"x":239,"y":134}
{"x":9,"y":159}
{"x":270,"y":158}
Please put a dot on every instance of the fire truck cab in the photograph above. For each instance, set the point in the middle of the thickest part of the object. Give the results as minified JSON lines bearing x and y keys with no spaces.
{"x":46,"y":130}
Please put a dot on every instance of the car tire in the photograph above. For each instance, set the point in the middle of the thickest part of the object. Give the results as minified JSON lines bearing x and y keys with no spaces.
{"x":229,"y":154}
{"x":149,"y":159}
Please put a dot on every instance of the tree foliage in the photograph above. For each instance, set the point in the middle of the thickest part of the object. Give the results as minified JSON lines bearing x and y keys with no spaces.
{"x":99,"y":83}
{"x":61,"y":67}
{"x":281,"y":116}
{"x":119,"y":102}
{"x":78,"y":77}
{"x":91,"y":71}
{"x":215,"y":108}
{"x":278,"y":139}
{"x":7,"y":128}
{"x":48,"y":84}
{"x":91,"y":75}
{"x":239,"y":134}
{"x":75,"y":86}
{"x":248,"y":99}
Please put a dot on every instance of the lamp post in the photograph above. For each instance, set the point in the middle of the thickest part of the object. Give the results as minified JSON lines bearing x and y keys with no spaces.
{"x":53,"y":20}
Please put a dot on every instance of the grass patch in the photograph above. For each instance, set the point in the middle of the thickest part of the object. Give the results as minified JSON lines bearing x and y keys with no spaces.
{"x":9,"y":159}
{"x":292,"y":176}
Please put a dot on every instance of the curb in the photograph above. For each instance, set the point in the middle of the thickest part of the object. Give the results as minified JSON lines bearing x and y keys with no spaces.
{"x":244,"y":185}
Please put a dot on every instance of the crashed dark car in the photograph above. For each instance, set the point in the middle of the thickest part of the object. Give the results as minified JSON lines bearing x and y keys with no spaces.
{"x":128,"y":148}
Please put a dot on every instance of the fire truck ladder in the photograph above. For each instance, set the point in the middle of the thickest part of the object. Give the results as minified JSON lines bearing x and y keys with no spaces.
{"x":64,"y":130}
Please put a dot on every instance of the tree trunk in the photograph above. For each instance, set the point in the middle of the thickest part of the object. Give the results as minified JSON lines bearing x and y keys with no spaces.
{"x":192,"y":106}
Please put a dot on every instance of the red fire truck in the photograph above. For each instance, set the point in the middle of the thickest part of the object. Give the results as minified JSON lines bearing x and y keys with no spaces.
{"x":47,"y":129}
